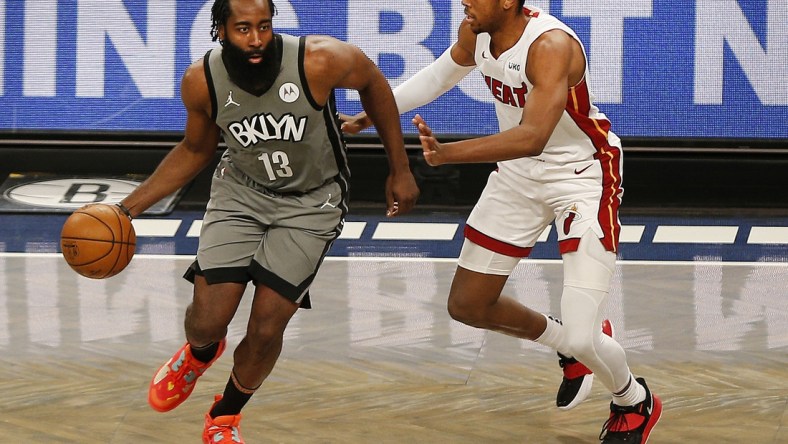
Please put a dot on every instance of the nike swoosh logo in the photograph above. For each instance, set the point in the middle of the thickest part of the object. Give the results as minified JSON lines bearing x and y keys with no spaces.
{"x":581,"y":171}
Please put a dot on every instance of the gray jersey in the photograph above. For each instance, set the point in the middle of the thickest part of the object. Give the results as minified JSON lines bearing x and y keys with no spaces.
{"x":282,"y":140}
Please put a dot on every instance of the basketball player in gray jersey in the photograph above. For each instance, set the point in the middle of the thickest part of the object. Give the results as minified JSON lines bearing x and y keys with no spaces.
{"x":278,"y":196}
{"x":280,"y":139}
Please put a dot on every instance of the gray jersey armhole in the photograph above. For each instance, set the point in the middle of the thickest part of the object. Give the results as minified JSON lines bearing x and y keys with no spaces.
{"x":211,"y":89}
{"x":302,"y":74}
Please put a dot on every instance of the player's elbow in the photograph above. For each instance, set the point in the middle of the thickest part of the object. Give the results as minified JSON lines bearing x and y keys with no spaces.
{"x":526,"y":140}
{"x":531,"y":144}
{"x":536,"y":148}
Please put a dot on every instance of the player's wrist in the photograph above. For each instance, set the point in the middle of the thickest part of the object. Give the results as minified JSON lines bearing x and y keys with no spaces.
{"x":124,"y":210}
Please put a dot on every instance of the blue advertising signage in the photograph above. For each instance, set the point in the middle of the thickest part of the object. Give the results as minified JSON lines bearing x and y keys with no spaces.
{"x":682,"y":69}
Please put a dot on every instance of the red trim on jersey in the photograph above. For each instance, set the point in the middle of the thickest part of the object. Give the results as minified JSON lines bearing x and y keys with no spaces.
{"x":568,"y":245}
{"x":578,"y":106}
{"x":530,"y":13}
{"x":481,"y":239}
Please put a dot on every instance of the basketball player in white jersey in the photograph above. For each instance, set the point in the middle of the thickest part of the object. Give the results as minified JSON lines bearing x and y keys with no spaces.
{"x":558,"y":162}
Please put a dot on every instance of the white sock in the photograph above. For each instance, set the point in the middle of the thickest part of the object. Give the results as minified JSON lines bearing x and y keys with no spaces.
{"x":634,"y":394}
{"x":553,"y":333}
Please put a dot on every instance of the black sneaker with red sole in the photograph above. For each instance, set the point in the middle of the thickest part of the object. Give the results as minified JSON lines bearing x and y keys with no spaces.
{"x":632,"y":424}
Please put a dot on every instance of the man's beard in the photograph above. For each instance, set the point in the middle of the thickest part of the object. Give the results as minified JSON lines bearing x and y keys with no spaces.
{"x":255,"y":78}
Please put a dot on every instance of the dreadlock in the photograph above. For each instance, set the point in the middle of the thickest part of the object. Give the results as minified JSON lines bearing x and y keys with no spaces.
{"x":220,"y":12}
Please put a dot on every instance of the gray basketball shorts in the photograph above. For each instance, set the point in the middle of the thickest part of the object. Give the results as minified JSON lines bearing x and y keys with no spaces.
{"x":277,"y":240}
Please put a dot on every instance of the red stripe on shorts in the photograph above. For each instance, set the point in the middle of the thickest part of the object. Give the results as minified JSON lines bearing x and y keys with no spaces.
{"x":481,"y":239}
{"x":568,"y":245}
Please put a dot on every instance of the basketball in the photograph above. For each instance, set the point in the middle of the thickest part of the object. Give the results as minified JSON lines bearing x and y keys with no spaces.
{"x":98,"y":241}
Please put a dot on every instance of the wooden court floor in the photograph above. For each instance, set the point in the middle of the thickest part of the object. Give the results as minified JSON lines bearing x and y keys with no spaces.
{"x":378,"y":360}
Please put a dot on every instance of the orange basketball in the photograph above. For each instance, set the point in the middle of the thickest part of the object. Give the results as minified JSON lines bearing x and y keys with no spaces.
{"x":98,"y":241}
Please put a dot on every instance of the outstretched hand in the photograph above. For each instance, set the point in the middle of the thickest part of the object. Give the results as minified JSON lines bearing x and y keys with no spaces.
{"x":355,"y":124}
{"x":432,"y":149}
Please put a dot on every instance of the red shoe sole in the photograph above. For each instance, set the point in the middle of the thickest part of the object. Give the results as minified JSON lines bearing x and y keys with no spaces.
{"x":655,"y":416}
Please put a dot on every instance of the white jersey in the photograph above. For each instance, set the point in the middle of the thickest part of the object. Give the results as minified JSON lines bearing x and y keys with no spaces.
{"x":575,"y":181}
{"x":583,"y":132}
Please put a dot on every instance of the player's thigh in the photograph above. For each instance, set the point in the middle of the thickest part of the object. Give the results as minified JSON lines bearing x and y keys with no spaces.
{"x":581,"y":204}
{"x":231,"y":230}
{"x":474,"y":284}
{"x":214,"y":305}
{"x":290,"y":258}
{"x":295,"y":246}
{"x":270,"y":314}
{"x":510,"y":213}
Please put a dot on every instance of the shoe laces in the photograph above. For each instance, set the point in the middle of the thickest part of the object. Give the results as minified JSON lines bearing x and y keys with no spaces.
{"x":618,"y":422}
{"x":219,"y":432}
{"x":184,"y":367}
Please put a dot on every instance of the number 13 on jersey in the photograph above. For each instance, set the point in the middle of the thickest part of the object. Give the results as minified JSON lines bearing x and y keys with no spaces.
{"x":277,"y":164}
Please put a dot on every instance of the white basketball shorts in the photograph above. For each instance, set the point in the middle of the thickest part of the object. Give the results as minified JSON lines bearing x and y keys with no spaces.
{"x":518,"y":204}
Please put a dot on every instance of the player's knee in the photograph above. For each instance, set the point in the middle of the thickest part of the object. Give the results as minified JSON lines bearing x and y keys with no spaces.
{"x":261,"y":335}
{"x":463,"y":309}
{"x":457,"y":310}
{"x":203,"y":329}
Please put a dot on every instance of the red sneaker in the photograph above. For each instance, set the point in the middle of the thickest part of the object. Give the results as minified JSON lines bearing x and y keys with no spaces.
{"x":222,"y":429}
{"x":174,"y":381}
{"x":578,"y":379}
{"x":632,"y":424}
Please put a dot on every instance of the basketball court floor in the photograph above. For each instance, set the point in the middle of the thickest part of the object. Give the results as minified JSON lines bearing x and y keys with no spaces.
{"x":700,"y":304}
